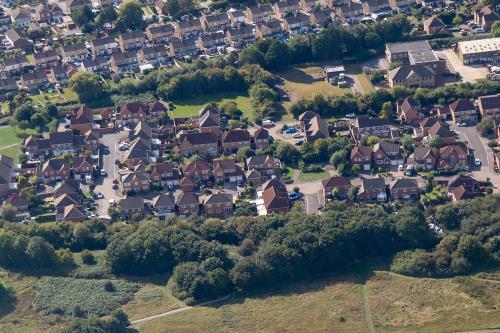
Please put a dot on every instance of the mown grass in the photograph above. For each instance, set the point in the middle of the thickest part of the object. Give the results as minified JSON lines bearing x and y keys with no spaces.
{"x":151,"y":300}
{"x":313,"y":176}
{"x":191,"y":106}
{"x":59,"y":295}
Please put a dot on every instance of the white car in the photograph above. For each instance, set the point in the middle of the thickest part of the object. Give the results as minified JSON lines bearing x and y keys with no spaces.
{"x":350,"y":115}
{"x":298,"y":135}
{"x":477,"y":162}
{"x":112,"y":202}
{"x":462,"y":124}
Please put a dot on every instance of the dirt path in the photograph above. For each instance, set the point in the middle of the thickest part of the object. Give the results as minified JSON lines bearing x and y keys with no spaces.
{"x":367,"y":310}
{"x":10,"y":146}
{"x":171,"y":312}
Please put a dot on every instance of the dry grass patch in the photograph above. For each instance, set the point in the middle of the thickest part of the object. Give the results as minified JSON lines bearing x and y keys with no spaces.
{"x":334,"y":306}
{"x":151,"y":300}
{"x":401,"y":304}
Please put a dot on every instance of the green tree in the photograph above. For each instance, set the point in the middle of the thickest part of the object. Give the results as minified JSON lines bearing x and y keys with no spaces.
{"x":486,"y":127}
{"x":130,"y":12}
{"x":83,"y":16}
{"x":495,"y":29}
{"x":435,"y":141}
{"x":373,"y":40}
{"x":87,"y":86}
{"x":251,"y":55}
{"x":457,"y":20}
{"x":352,"y":193}
{"x":387,"y":110}
{"x":408,"y":144}
{"x":277,"y":56}
{"x":40,"y":252}
{"x":107,"y":15}
{"x":287,"y":153}
{"x":8,"y":212}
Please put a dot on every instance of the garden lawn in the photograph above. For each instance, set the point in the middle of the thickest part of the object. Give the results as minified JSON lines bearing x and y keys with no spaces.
{"x":313,"y":176}
{"x":365,"y":83}
{"x":191,"y":106}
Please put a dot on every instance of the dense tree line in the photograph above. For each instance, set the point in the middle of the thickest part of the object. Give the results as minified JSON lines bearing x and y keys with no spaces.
{"x":472,"y":240}
{"x":374,"y":103}
{"x":116,"y":323}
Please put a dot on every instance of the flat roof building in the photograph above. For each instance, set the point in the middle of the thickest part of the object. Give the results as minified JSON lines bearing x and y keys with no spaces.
{"x":479,"y":51}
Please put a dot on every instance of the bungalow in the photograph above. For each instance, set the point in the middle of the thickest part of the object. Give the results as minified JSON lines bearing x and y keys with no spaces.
{"x":131,"y":206}
{"x":217,"y":205}
{"x":163,"y":205}
{"x":199,"y":143}
{"x":340,"y":183}
{"x":198,"y":171}
{"x":404,"y":189}
{"x":372,"y":189}
{"x":362,"y":156}
{"x":463,"y":111}
{"x":235,"y":139}
{"x":227,"y":171}
{"x":188,"y":204}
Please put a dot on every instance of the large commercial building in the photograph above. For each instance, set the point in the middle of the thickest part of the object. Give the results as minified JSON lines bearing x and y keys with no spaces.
{"x":479,"y":51}
{"x":415,"y":53}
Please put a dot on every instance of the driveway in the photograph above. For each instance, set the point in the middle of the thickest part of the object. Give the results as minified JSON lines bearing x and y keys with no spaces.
{"x":469,"y":73}
{"x":105,"y":184}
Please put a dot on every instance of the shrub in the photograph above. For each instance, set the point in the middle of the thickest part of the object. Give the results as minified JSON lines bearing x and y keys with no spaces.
{"x":88,"y":257}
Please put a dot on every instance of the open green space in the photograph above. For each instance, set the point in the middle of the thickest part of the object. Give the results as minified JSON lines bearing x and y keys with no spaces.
{"x":313,"y":176}
{"x":191,"y":107}
{"x":386,"y":302}
{"x":10,"y":140}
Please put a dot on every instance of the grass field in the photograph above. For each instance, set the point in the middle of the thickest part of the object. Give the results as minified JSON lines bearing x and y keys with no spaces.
{"x":10,"y":143}
{"x":394,"y":304}
{"x":151,"y":300}
{"x":190,"y":107}
{"x":313,"y":176}
{"x":365,"y":83}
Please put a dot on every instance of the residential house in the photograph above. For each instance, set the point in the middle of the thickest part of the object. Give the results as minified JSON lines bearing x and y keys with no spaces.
{"x":154,"y":55}
{"x":425,"y":125}
{"x":199,"y":143}
{"x":254,"y":177}
{"x":131,"y":206}
{"x":268,"y":29}
{"x":8,"y":85}
{"x":236,"y":139}
{"x":285,"y":7}
{"x":46,"y":59}
{"x":58,"y":75}
{"x":82,"y":119}
{"x":74,"y":5}
{"x":320,"y":18}
{"x":7,"y":182}
{"x":209,"y":120}
{"x":183,"y":48}
{"x":88,"y":141}
{"x":208,"y":43}
{"x":14,"y":65}
{"x":261,"y":138}
{"x":21,"y":17}
{"x":236,"y":16}
{"x":467,"y":182}
{"x":132,"y":113}
{"x":340,"y":183}
{"x":434,"y":26}
{"x":188,"y":204}
{"x":401,"y":5}
{"x":217,"y":204}
{"x":296,"y":23}
{"x":139,"y":152}
{"x":104,"y":46}
{"x":275,"y":197}
{"x":387,"y":154}
{"x":313,"y":126}
{"x":161,"y":33}
{"x":5,"y":20}
{"x":97,"y":65}
{"x":34,"y":81}
{"x":19,"y":203}
{"x":74,"y":213}
{"x":214,"y":22}
{"x":49,"y":13}
{"x":404,"y":189}
{"x":362,"y":156}
{"x":61,"y":142}
{"x":372,"y":189}
{"x":163,"y":205}
{"x":190,"y":28}
{"x":124,"y":61}
{"x":412,"y":76}
{"x":131,"y":40}
{"x":198,"y":171}
{"x":82,"y":166}
{"x":240,"y":36}
{"x":447,"y":137}
{"x":267,"y":165}
{"x":63,"y":200}
{"x":16,"y":39}
{"x":350,"y":11}
{"x":36,"y":147}
{"x":164,"y":174}
{"x":374,"y":6}
{"x":489,"y":107}
{"x":135,"y":182}
{"x":258,"y":14}
{"x":496,"y":157}
{"x":187,"y":184}
{"x":485,"y":17}
{"x":308,"y":6}
{"x":227,"y":171}
{"x":463,"y":111}
{"x":452,"y":157}
{"x":424,"y":157}
{"x":56,"y":169}
{"x":366,"y":126}
{"x":407,"y":110}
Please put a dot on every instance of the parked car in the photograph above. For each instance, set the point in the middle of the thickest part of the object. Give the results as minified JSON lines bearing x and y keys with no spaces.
{"x":104,"y":173}
{"x":298,"y":135}
{"x":112,"y":202}
{"x":114,"y":187}
{"x":350,"y":115}
{"x":99,"y":195}
{"x":477,"y":162}
{"x":462,"y":124}
{"x":290,"y":130}
{"x":299,"y":142}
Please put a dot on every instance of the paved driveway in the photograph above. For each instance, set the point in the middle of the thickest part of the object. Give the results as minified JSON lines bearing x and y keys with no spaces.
{"x":469,"y":73}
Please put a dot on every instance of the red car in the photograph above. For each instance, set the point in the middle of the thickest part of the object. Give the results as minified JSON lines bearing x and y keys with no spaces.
{"x":115,"y":181}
